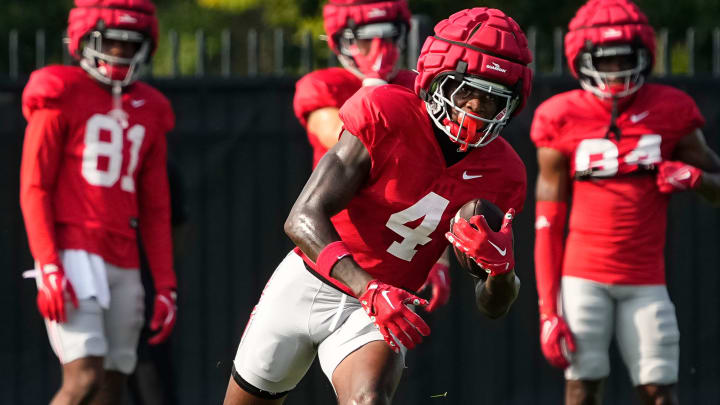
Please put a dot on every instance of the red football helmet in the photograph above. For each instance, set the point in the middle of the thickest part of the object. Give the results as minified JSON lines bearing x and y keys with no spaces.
{"x":479,"y":49}
{"x":91,"y":21}
{"x":610,"y":28}
{"x":348,"y":20}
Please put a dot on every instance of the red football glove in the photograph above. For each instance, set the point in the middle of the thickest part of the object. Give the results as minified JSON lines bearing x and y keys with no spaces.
{"x":386,"y":307}
{"x":676,"y":176}
{"x":439,"y":278}
{"x":164,"y":311}
{"x":556,"y":340}
{"x":53,"y":290}
{"x":379,"y":62}
{"x":493,"y":251}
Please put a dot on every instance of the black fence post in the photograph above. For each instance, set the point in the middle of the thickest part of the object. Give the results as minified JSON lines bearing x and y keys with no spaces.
{"x":306,"y":52}
{"x":279,"y":51}
{"x":13,"y":56}
{"x":174,"y":53}
{"x":252,"y":52}
{"x":716,"y":52}
{"x":226,"y":52}
{"x":421,"y":26}
{"x":664,"y":43}
{"x":39,"y":49}
{"x":532,"y":45}
{"x":690,"y":44}
{"x":200,"y":53}
{"x":558,"y":51}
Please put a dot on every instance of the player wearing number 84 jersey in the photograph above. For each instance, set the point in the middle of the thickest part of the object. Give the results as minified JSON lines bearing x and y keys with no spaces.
{"x":615,"y":149}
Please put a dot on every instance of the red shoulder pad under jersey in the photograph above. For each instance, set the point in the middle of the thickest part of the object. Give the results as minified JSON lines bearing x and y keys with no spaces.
{"x":163,"y":106}
{"x":405,"y":78}
{"x":514,"y":175}
{"x":375,"y":113}
{"x":323,"y":88}
{"x":547,"y":121}
{"x":676,"y":109}
{"x":46,"y":87}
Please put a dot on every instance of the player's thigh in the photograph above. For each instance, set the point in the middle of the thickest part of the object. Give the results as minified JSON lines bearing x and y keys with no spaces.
{"x":589,"y":312}
{"x":276,"y":348}
{"x":356,"y":358}
{"x":124,"y":318}
{"x":648,"y":334}
{"x":82,"y":335}
{"x":371,"y":372}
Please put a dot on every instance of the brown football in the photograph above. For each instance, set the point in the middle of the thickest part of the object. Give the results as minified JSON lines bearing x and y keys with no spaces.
{"x":493,"y":216}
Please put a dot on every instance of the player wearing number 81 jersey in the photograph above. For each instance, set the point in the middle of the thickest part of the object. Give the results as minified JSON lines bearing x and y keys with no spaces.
{"x":93,"y":172}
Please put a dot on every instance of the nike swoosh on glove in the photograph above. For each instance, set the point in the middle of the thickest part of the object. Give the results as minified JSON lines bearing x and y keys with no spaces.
{"x":53,"y":290}
{"x":677,"y":176}
{"x":556,"y":340}
{"x":387,"y":308}
{"x":439,"y":279}
{"x":379,"y":62}
{"x":493,"y":251}
{"x":164,"y":315}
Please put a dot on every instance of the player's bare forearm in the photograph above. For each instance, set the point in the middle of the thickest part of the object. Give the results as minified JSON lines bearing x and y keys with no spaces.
{"x":694,"y":150}
{"x":709,"y":187}
{"x":495,"y":295}
{"x":333,"y":183}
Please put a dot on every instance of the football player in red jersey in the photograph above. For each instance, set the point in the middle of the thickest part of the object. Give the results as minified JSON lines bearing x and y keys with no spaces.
{"x":371,"y":220}
{"x":93,"y":170}
{"x":367,"y":37}
{"x":615,"y":150}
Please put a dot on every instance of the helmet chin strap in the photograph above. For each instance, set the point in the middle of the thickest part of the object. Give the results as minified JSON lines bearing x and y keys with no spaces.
{"x":613,"y":128}
{"x":465,"y":131}
{"x":117,"y":111}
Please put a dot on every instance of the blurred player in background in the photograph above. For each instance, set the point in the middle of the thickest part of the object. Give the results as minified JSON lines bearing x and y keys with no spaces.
{"x":93,"y":170}
{"x":616,"y":149}
{"x":370,"y":222}
{"x":368,"y":38}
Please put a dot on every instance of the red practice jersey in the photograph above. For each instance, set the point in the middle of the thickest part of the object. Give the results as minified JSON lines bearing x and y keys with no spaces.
{"x":395,"y":225}
{"x":331,"y":88}
{"x":87,"y":178}
{"x":618,"y":217}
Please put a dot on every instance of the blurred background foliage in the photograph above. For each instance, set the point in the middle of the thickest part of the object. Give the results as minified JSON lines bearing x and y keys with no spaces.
{"x":296,"y":17}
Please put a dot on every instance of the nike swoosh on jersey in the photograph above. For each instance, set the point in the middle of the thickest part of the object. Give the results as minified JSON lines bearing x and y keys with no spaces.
{"x":502,"y":252}
{"x":137,"y":103}
{"x":635,"y":118}
{"x":385,"y":295}
{"x":467,"y":176}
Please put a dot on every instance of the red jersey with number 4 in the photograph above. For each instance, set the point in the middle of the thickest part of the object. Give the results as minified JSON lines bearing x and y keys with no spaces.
{"x":331,"y":88}
{"x":395,"y":225}
{"x":88,"y":178}
{"x":618,"y":217}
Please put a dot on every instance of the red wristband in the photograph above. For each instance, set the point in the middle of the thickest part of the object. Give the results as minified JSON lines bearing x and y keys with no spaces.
{"x":332,"y":253}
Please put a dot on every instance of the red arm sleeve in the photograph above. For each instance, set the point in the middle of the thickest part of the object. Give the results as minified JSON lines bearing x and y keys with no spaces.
{"x":550,"y":218}
{"x":41,"y":158}
{"x":154,"y":208}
